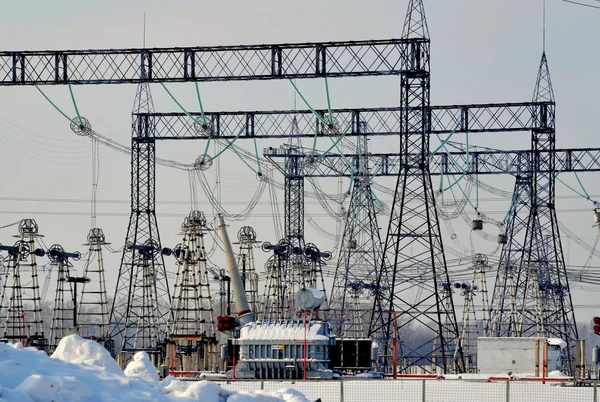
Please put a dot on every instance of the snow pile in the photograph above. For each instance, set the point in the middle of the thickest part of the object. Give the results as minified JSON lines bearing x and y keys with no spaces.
{"x":141,"y":368}
{"x":81,"y":370}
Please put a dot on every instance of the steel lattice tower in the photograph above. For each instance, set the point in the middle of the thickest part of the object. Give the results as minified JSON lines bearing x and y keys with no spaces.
{"x":541,"y":298}
{"x":471,"y":326}
{"x":414,"y":260}
{"x":278,"y":296}
{"x":192,"y":327}
{"x":62,"y":314}
{"x":92,"y":313}
{"x":20,"y":304}
{"x":245,"y":260}
{"x":356,"y":277}
{"x":294,"y":217}
{"x":141,"y":306}
{"x":503,"y":309}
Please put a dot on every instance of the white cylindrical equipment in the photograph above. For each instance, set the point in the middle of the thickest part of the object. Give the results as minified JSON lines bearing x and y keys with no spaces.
{"x":309,"y":299}
{"x":597,"y":218}
{"x":237,"y":286}
{"x":224,"y":352}
{"x":596,"y":355}
{"x":374,"y":352}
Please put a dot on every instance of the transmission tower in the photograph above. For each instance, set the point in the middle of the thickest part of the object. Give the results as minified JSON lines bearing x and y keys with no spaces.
{"x":92,"y":314}
{"x":541,"y":298}
{"x":192,"y":327}
{"x":414,"y":258}
{"x":63,"y":314}
{"x":20,"y":303}
{"x":245,"y":261}
{"x":356,"y":277}
{"x":140,"y":309}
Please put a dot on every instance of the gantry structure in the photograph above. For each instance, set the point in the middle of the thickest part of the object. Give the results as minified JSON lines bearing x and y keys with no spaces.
{"x":413,"y":225}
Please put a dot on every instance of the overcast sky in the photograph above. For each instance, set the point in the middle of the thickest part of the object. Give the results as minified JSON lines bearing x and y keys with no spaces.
{"x":482,"y":51}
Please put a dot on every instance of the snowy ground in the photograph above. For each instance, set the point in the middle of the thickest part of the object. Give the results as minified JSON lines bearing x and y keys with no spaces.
{"x":82,"y":370}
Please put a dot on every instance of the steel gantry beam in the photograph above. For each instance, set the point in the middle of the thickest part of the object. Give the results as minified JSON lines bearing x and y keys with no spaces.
{"x":483,"y":118}
{"x":207,"y":63}
{"x":488,"y":162}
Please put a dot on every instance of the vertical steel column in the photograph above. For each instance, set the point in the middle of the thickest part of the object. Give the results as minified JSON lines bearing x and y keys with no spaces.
{"x":414,"y":260}
{"x":142,"y":300}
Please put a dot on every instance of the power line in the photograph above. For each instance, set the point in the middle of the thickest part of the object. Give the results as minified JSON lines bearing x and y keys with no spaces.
{"x":581,"y":4}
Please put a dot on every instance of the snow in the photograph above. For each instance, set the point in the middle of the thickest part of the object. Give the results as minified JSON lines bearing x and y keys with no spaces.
{"x":557,"y":342}
{"x":140,"y":367}
{"x":81,"y":370}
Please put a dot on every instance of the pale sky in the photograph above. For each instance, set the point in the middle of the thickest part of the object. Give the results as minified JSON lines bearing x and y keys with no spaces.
{"x":482,"y":51}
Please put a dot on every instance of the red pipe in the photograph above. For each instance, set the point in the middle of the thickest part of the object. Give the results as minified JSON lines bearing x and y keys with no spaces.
{"x":558,"y":379}
{"x":546,"y":379}
{"x":420,"y":376}
{"x":173,"y":372}
{"x":492,"y":378}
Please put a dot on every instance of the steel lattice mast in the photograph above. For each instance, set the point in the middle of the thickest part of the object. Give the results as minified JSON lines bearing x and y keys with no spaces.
{"x":92,"y":313}
{"x":62,"y":314}
{"x":470,"y":328}
{"x":540,"y":301}
{"x":192,"y":327}
{"x":245,"y":260}
{"x":356,"y":277}
{"x":277,"y":297}
{"x":20,"y":303}
{"x":141,"y":306}
{"x":414,"y":258}
{"x":543,"y":294}
{"x":503,"y":308}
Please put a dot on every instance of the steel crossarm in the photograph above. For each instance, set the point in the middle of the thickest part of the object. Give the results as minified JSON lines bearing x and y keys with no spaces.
{"x":208,"y":63}
{"x":487,"y":162}
{"x":492,"y":117}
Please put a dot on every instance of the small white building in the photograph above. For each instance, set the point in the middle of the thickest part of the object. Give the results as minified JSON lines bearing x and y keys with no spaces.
{"x":518,"y":355}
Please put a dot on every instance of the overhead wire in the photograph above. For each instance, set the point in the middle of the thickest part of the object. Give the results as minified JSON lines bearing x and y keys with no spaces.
{"x":581,"y":4}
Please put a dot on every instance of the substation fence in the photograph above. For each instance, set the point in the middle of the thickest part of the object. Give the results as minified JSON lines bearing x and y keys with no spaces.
{"x":428,"y":390}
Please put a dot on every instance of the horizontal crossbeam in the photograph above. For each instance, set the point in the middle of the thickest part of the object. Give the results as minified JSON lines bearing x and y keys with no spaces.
{"x":505,"y":117}
{"x":209,"y":63}
{"x":515,"y":162}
